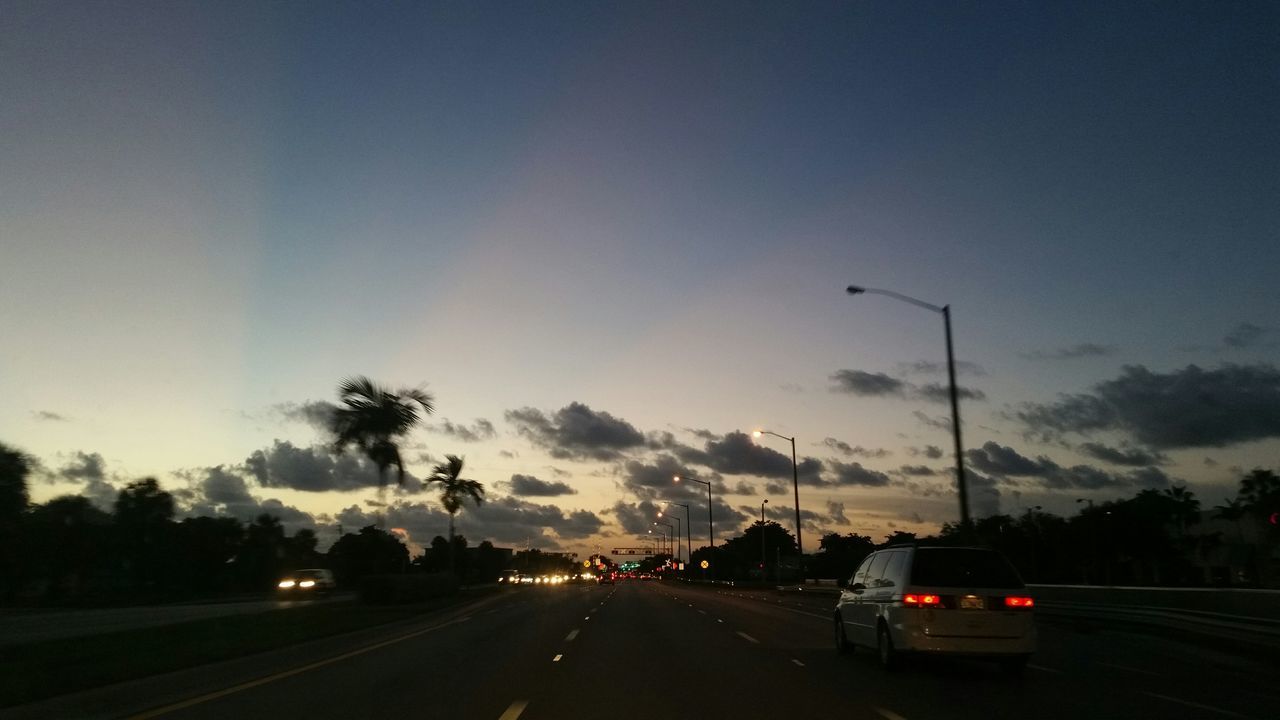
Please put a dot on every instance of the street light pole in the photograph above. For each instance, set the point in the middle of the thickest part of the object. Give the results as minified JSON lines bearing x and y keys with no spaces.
{"x":795,"y":486}
{"x":688,"y":529}
{"x":762,"y":546}
{"x":711,"y":532}
{"x":679,"y":526}
{"x":962,"y":484}
{"x":670,"y":528}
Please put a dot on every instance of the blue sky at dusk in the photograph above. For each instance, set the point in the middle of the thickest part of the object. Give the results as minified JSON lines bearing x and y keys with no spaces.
{"x":619,"y":234}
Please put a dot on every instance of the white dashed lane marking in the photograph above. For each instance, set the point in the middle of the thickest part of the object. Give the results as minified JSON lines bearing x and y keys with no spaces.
{"x":747,"y":637}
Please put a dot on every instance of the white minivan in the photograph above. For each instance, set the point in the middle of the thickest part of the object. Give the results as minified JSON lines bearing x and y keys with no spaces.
{"x":962,"y":601}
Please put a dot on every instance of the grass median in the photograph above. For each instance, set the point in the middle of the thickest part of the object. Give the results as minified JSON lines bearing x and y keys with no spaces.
{"x":40,"y":670}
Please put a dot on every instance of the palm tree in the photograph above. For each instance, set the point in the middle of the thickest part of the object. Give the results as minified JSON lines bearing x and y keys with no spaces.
{"x":374,"y":419}
{"x":454,"y":490}
{"x":1233,"y":510}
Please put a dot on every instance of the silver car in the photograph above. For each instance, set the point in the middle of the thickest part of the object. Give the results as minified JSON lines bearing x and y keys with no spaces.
{"x":958,"y":601}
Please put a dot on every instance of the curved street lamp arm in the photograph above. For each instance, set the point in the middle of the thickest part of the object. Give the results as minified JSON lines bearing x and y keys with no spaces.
{"x":855,"y":290}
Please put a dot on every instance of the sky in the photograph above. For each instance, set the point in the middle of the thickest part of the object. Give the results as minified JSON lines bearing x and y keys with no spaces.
{"x":612,"y":238}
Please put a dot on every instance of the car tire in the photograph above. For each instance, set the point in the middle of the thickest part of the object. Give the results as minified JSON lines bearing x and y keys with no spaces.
{"x":843,"y":646}
{"x":886,"y":655}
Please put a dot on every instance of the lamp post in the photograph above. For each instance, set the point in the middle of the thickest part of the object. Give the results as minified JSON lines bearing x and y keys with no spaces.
{"x":795,"y":485}
{"x":711,"y":532}
{"x":679,"y":533}
{"x":961,"y":484}
{"x":688,"y":529}
{"x":762,"y":548}
{"x":670,"y":529}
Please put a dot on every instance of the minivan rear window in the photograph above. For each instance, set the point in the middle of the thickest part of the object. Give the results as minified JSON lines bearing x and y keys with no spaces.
{"x":963,"y":567}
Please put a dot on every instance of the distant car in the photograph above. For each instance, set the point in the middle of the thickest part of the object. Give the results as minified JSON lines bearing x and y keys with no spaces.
{"x":605,"y":579}
{"x":509,"y":577}
{"x":311,"y":581}
{"x":959,"y":601}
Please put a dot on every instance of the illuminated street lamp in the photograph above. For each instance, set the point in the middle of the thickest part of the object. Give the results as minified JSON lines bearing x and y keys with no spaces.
{"x":711,"y":532}
{"x":961,"y":484}
{"x":795,"y":485}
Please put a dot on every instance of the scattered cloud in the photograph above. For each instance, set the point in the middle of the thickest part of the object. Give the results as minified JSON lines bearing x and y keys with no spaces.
{"x":318,"y":469}
{"x":933,"y":452}
{"x":49,"y":416}
{"x":937,"y":422}
{"x":866,"y":384}
{"x":1245,"y":335}
{"x":925,"y":367}
{"x":89,"y":470}
{"x":219,"y":492}
{"x":1191,"y":407}
{"x":530,"y":486}
{"x":848,"y":450}
{"x":1070,"y":353}
{"x":316,"y":413}
{"x":855,"y":474}
{"x":576,"y":432}
{"x":937,"y":392}
{"x":1136,"y":457}
{"x":917,"y":470}
{"x":478,"y":431}
{"x":504,"y":520}
{"x":1002,"y":462}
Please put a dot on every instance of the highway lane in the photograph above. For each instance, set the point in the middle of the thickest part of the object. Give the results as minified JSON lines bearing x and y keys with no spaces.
{"x":646,"y":649}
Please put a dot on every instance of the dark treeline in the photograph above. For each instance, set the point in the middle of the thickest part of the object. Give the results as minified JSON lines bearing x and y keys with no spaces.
{"x":67,"y":551}
{"x":1157,"y":537}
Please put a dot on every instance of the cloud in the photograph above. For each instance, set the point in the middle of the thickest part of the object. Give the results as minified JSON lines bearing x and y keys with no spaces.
{"x":507,"y":454}
{"x":1245,"y":335}
{"x":1070,"y":353}
{"x":936,"y":392}
{"x":865,"y":384}
{"x":848,"y":450}
{"x":530,"y":486}
{"x":1136,"y":457}
{"x":577,"y":432}
{"x":1002,"y":460}
{"x":317,"y":469}
{"x":933,"y":452}
{"x":659,"y":473}
{"x":504,"y":520}
{"x":218,"y":492}
{"x":90,"y":470}
{"x":49,"y":416}
{"x":925,"y":367}
{"x":1191,"y":407}
{"x":855,"y":474}
{"x":316,"y":413}
{"x":478,"y":431}
{"x":868,"y":384}
{"x":917,"y":470}
{"x":737,"y":454}
{"x":939,"y":422}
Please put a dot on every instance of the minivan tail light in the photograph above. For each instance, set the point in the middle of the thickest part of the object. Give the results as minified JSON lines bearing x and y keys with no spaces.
{"x":916,"y":600}
{"x":1019,"y":601}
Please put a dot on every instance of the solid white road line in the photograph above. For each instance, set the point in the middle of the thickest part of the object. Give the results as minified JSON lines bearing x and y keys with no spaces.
{"x":888,"y":714}
{"x":1188,"y":703}
{"x":572,"y":634}
{"x":514,"y":711}
{"x":747,"y":637}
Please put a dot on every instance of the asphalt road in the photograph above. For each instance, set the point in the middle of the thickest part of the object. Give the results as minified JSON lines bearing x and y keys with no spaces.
{"x":651,"y":649}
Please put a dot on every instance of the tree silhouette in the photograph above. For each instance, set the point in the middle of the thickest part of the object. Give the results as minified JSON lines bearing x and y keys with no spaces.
{"x":374,"y":419}
{"x":14,"y":467}
{"x":454,"y":491}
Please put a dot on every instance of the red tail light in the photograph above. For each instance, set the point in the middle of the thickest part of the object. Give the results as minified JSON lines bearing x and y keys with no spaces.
{"x":1017,"y":601}
{"x":915,"y":600}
